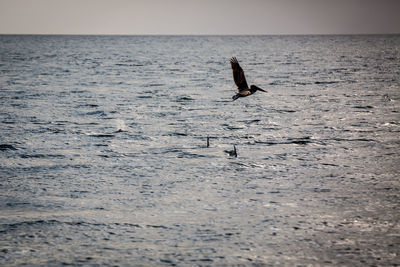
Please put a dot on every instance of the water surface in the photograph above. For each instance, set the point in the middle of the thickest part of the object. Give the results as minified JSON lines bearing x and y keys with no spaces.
{"x":103,"y":157}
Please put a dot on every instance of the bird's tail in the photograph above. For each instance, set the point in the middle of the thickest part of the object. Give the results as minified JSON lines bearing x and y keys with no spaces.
{"x":235,"y":97}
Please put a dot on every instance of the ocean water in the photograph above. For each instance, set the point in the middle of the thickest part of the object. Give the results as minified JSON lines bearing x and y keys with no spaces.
{"x":103,"y":156}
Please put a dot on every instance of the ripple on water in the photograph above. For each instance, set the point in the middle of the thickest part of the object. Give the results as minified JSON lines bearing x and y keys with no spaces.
{"x":107,"y":163}
{"x":4,"y":147}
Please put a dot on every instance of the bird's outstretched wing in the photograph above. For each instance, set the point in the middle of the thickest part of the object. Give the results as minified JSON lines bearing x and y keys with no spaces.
{"x":238,"y":75}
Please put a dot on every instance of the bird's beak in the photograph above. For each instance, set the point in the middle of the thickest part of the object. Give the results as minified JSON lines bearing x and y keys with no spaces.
{"x":262,"y":90}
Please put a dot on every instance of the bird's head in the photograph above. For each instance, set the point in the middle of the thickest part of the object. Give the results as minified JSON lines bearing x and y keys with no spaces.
{"x":256,"y":88}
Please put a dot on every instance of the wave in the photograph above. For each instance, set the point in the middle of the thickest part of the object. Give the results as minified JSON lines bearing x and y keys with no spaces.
{"x":326,"y":82}
{"x":184,"y":99}
{"x":101,"y":135}
{"x":97,"y":112}
{"x":296,"y":141}
{"x":42,"y":156}
{"x":363,"y":107}
{"x":40,"y":222}
{"x":4,"y":147}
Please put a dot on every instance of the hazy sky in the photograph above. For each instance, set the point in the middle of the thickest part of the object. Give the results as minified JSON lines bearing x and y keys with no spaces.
{"x":199,"y":16}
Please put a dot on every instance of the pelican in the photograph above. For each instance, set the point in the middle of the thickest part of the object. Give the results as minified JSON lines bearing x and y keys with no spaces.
{"x":240,"y":81}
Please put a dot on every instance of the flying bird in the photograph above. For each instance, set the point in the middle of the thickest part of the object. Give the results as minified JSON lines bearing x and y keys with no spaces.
{"x":240,"y":81}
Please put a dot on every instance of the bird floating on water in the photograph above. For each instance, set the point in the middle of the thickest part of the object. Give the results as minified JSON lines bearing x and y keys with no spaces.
{"x":240,"y":81}
{"x":232,"y":153}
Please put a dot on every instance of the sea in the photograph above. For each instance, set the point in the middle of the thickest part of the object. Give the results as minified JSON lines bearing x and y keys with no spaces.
{"x":104,"y":158}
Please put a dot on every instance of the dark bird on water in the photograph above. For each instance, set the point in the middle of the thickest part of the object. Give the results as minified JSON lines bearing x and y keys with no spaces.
{"x":240,"y":81}
{"x":232,"y":153}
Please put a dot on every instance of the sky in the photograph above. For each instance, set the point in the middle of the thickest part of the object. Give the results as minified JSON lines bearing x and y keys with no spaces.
{"x":199,"y":16}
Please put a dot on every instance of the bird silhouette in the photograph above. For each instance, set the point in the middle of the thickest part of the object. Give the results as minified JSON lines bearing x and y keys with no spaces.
{"x":232,"y":153}
{"x":240,"y":81}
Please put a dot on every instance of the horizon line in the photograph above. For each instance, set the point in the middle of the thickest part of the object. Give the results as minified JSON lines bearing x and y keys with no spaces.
{"x":199,"y":34}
